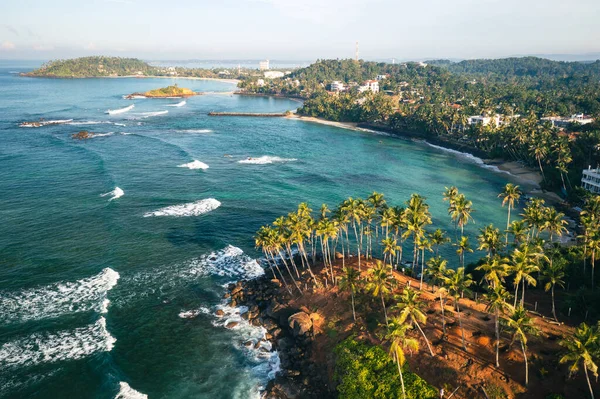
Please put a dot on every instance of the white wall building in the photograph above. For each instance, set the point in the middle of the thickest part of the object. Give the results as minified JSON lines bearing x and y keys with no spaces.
{"x":371,"y":85}
{"x":260,"y":82}
{"x":559,"y":121}
{"x":590,"y":180}
{"x":263,"y":65}
{"x":484,"y":120}
{"x":336,"y":85}
{"x":273,"y":74}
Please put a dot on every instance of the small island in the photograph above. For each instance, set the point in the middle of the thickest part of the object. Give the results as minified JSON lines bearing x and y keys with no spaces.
{"x":165,"y":92}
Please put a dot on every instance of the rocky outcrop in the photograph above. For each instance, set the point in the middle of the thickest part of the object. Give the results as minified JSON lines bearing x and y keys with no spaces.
{"x":290,"y":331}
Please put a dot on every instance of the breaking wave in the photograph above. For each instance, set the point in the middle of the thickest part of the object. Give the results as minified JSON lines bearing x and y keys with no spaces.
{"x":116,"y":193}
{"x":88,"y":294}
{"x":144,"y":115}
{"x":127,"y":392}
{"x":266,"y":159}
{"x":190,"y":209}
{"x":195,"y":131}
{"x":190,"y":314}
{"x":58,"y":346}
{"x":179,"y":104}
{"x":120,"y":110}
{"x":194,"y":165}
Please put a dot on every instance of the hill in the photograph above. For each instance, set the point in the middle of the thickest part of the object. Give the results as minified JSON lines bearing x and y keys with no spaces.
{"x":97,"y":66}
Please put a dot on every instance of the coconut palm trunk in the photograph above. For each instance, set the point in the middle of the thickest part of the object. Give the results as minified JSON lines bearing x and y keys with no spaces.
{"x":425,"y":338}
{"x":353,"y":310}
{"x":526,"y":364}
{"x":553,"y":305}
{"x":587,"y":377}
{"x":461,"y":326}
{"x":384,"y":310}
{"x":497,"y":325}
{"x":402,"y":378}
{"x":443,"y":316}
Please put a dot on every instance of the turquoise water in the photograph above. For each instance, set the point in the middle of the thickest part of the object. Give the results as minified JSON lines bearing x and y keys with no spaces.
{"x":93,"y":294}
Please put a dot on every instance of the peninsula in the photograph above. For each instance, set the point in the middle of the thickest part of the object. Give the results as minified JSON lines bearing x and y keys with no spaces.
{"x":173,"y":91}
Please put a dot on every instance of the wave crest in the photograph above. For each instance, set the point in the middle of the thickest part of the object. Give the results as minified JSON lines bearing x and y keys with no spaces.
{"x":194,"y":165}
{"x":196,"y":208}
{"x":266,"y":159}
{"x":116,"y":193}
{"x":127,"y":392}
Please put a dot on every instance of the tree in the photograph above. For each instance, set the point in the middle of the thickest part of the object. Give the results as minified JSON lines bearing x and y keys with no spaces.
{"x":399,"y":342}
{"x":379,"y":283}
{"x":463,"y":246}
{"x":524,"y":262}
{"x":495,"y":270}
{"x":594,"y":247}
{"x":437,"y":239}
{"x":497,"y":298}
{"x":461,"y":211}
{"x":518,"y":229}
{"x":489,"y":240}
{"x":409,"y":307}
{"x":510,"y":195}
{"x":458,"y":283}
{"x":553,"y":273}
{"x":521,"y":325}
{"x":554,"y":222}
{"x":390,"y":247}
{"x":581,"y":349}
{"x":349,"y":282}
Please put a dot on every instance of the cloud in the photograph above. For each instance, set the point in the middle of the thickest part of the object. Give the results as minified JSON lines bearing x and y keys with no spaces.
{"x":42,"y":47}
{"x":12,"y":30}
{"x":90,"y":46}
{"x":7,"y":46}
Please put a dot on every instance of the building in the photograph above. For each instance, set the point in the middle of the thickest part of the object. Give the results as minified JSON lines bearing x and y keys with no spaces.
{"x":560,"y":122}
{"x":371,"y":85}
{"x":590,"y":180}
{"x":336,"y":85}
{"x":263,"y":65}
{"x":381,"y":77}
{"x":260,"y":82}
{"x":484,"y":120}
{"x":273,"y":74}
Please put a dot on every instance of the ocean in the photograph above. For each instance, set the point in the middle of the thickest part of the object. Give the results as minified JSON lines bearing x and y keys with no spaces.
{"x":114,"y":251}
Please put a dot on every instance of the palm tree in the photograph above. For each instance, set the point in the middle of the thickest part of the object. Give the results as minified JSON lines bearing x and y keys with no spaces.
{"x":380,"y":283}
{"x":390,"y":246}
{"x":463,"y":246}
{"x":540,"y":151}
{"x":461,"y":211}
{"x":450,"y":195}
{"x":458,"y":283}
{"x":518,"y":229}
{"x":399,"y":342}
{"x":497,"y":298}
{"x":581,"y":350}
{"x":437,"y":239}
{"x":496,"y":269}
{"x":349,"y":282}
{"x":355,"y":210}
{"x":409,"y":307}
{"x":510,"y":195}
{"x":554,"y":275}
{"x":524,"y":261}
{"x":489,"y":240}
{"x":554,"y":222}
{"x":417,"y":216}
{"x":520,"y":325}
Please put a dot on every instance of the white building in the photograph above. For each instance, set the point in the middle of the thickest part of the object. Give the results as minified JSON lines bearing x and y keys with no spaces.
{"x":590,"y":180}
{"x":558,"y":121}
{"x":336,"y":85}
{"x":263,"y":65}
{"x":273,"y":74}
{"x":381,"y":77}
{"x":371,"y":85}
{"x":484,"y":120}
{"x":260,"y":82}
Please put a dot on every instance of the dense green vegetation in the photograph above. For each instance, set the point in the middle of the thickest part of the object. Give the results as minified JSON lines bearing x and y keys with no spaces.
{"x":366,"y":371}
{"x":435,"y":101}
{"x":169,"y":91}
{"x":93,"y":67}
{"x":514,"y":260}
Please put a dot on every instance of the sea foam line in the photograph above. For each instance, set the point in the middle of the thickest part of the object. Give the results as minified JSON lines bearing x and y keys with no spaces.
{"x":469,"y":157}
{"x":195,"y":131}
{"x":265,"y":159}
{"x":58,"y":346}
{"x":88,"y":294}
{"x":179,"y":104}
{"x":120,"y":110}
{"x":196,"y":208}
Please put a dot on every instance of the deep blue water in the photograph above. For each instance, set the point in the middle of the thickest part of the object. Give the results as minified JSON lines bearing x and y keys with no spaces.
{"x":92,"y":292}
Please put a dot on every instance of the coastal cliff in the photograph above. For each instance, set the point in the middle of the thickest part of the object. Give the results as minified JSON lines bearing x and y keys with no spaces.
{"x":173,"y":91}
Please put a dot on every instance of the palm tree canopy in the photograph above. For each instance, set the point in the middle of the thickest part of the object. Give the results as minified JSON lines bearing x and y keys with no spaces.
{"x":580,"y":349}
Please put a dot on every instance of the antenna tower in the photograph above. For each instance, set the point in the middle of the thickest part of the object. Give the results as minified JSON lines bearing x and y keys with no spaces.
{"x":356,"y":53}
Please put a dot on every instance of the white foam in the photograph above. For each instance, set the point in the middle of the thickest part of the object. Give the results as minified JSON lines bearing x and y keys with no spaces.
{"x":46,"y":123}
{"x":145,"y":115}
{"x":194,"y":165}
{"x":195,"y":131}
{"x":120,"y":110}
{"x":180,"y":104}
{"x":196,"y":208}
{"x":190,"y":314}
{"x":85,"y":123}
{"x":59,"y":346}
{"x":116,"y":193}
{"x":229,"y":262}
{"x":469,"y":157}
{"x":94,"y":135}
{"x":127,"y":392}
{"x":266,"y":159}
{"x":88,"y":294}
{"x":130,"y":97}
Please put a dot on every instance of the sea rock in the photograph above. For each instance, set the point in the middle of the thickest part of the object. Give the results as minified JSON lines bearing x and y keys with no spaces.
{"x":219,"y":313}
{"x":338,"y":255}
{"x":232,"y":324}
{"x":300,"y":323}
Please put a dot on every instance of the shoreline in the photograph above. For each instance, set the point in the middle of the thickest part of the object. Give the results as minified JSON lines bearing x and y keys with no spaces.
{"x":530,"y":178}
{"x":224,"y":80}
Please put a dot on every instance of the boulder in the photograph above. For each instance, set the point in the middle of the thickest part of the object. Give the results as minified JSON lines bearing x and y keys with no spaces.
{"x":231,"y":324}
{"x":300,"y":323}
{"x":219,"y":313}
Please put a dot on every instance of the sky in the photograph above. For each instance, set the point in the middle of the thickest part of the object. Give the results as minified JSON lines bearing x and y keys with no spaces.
{"x":297,"y":29}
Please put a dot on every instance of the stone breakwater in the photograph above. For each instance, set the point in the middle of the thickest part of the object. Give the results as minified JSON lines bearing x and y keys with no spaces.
{"x":290,"y":331}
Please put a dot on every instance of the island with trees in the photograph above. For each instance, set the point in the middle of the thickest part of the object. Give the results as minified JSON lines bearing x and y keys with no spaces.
{"x":172,"y":91}
{"x":371,"y":300}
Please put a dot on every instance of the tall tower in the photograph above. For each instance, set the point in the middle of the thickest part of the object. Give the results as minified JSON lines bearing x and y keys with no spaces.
{"x":356,"y":53}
